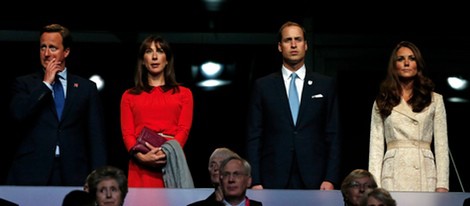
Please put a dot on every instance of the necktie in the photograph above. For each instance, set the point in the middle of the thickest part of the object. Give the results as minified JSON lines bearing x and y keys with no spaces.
{"x":293,"y":98}
{"x":59,"y":97}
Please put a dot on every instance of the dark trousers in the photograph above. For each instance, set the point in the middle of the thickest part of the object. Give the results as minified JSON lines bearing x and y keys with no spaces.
{"x":295,"y":179}
{"x":55,"y":179}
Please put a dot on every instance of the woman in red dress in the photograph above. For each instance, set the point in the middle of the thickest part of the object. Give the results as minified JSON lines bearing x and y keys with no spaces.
{"x":158,"y":102}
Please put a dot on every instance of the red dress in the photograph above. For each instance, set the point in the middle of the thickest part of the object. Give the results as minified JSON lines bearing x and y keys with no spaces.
{"x":166,"y":112}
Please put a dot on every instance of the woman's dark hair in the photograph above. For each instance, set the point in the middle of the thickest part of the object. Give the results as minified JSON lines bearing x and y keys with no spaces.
{"x":391,"y":91}
{"x":141,"y":74}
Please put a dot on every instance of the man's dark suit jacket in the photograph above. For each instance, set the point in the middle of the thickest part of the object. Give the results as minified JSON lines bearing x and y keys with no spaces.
{"x":210,"y":201}
{"x":80,"y":133}
{"x":272,"y":138}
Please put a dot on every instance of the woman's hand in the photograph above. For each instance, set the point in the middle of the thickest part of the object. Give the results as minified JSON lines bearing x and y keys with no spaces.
{"x":155,"y":157}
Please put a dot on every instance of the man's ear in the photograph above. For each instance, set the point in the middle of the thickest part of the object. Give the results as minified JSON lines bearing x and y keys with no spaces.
{"x":66,"y":52}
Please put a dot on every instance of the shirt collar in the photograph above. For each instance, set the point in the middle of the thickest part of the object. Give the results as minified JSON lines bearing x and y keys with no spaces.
{"x":300,"y":72}
{"x":245,"y":202}
{"x":63,"y":74}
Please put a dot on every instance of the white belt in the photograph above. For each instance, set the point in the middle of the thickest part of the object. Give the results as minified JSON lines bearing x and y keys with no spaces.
{"x":408,"y":144}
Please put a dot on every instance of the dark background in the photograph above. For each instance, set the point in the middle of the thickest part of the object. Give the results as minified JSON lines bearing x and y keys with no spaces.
{"x":349,"y":41}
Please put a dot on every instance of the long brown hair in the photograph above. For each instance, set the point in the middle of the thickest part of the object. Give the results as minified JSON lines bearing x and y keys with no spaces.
{"x":141,"y":73}
{"x":390,"y":89}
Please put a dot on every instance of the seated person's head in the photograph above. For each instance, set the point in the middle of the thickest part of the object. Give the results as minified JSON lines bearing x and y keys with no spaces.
{"x":466,"y":202}
{"x":78,"y":198}
{"x":215,"y":160}
{"x":378,"y":197}
{"x":108,"y":185}
{"x":235,"y":179}
{"x":355,"y":186}
{"x":88,"y":180}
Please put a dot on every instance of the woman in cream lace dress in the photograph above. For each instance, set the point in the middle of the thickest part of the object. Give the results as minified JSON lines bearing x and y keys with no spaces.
{"x":407,"y":118}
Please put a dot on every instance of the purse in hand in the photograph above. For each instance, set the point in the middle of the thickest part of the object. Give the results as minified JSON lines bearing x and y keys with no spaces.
{"x":150,"y":136}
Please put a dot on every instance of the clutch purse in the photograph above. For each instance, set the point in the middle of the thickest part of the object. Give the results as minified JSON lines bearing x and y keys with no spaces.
{"x":150,"y":136}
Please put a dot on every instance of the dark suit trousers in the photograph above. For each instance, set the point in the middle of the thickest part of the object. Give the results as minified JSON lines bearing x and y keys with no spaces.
{"x":56,"y":178}
{"x":295,"y":179}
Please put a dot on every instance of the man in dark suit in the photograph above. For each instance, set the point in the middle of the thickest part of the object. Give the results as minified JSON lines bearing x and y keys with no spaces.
{"x":56,"y":149}
{"x":288,"y":152}
{"x":235,"y":179}
{"x":215,"y":160}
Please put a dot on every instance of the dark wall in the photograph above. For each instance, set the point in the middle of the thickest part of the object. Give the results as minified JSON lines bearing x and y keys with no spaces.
{"x":357,"y":61}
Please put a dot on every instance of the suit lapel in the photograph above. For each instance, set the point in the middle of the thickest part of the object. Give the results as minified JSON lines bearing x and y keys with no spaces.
{"x":39,"y":77}
{"x":307,"y":91}
{"x":405,"y":109}
{"x":72,"y":87}
{"x":280,"y":87}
